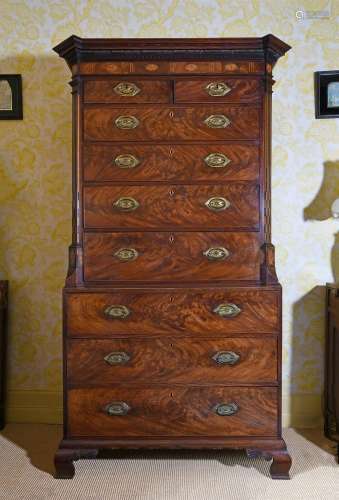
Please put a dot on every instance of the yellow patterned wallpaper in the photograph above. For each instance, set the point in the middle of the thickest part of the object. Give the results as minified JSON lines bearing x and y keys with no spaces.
{"x":35,"y":176}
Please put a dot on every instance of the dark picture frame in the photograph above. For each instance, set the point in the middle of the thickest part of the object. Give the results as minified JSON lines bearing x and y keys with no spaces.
{"x":326,"y":93}
{"x":11,"y":97}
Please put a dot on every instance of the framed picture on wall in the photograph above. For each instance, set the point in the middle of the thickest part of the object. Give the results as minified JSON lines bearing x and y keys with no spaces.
{"x":10,"y":97}
{"x":326,"y":88}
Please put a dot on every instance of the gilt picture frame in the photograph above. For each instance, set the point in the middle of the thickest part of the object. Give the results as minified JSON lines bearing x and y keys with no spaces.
{"x":326,"y":90}
{"x":11,"y":97}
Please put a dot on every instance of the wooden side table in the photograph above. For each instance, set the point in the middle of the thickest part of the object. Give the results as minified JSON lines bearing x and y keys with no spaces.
{"x":331,"y":427}
{"x":3,"y":348}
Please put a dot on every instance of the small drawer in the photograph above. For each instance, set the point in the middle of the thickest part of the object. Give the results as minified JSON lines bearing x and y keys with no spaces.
{"x":175,"y":312}
{"x":170,"y":360}
{"x":220,"y":89}
{"x":157,"y":256}
{"x":147,"y":123}
{"x":218,"y":206}
{"x":142,"y":162}
{"x":127,"y":91}
{"x":172,"y":411}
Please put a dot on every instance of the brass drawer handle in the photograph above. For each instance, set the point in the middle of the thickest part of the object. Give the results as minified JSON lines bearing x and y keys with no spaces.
{"x":117,"y":312}
{"x":217,"y":121}
{"x":217,"y":89}
{"x":126,"y":204}
{"x":217,"y":204}
{"x":117,"y":358}
{"x":126,"y":254}
{"x":127,"y":122}
{"x":117,"y":408}
{"x":216,"y":160}
{"x":227,"y":310}
{"x":226,"y":409}
{"x":126,"y":161}
{"x":216,"y":253}
{"x":126,"y":89}
{"x":226,"y":358}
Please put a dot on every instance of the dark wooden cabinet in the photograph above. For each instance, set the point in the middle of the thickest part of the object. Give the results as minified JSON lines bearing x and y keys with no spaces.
{"x":3,"y":348}
{"x":331,"y":401}
{"x":172,"y":307}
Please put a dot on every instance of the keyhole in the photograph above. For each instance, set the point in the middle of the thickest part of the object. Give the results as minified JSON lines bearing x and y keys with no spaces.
{"x":171,"y":192}
{"x":171,"y":114}
{"x":171,"y":152}
{"x":171,"y":394}
{"x":171,"y":299}
{"x":171,"y":238}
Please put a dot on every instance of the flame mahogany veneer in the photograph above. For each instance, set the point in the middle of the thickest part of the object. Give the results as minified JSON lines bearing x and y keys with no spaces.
{"x":172,"y":307}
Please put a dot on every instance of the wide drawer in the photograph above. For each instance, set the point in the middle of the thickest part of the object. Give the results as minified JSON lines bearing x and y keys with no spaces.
{"x":219,"y":89}
{"x":230,"y":206}
{"x":177,"y":312}
{"x":127,"y":91}
{"x":142,"y":162}
{"x":218,"y":122}
{"x":162,"y":256}
{"x":173,"y":411}
{"x":169,"y":360}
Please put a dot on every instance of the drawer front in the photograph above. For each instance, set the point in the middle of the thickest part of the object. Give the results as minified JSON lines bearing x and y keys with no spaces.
{"x":230,"y":206}
{"x":162,"y":256}
{"x":127,"y":91}
{"x":218,"y":89}
{"x":102,"y":123}
{"x":169,"y":360}
{"x":137,"y":162}
{"x":175,"y":312}
{"x":173,"y":411}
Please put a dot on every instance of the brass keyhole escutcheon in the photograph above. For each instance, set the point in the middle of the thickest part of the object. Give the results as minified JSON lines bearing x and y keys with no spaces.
{"x":171,"y":114}
{"x":171,"y":152}
{"x":172,"y":192}
{"x":171,"y":238}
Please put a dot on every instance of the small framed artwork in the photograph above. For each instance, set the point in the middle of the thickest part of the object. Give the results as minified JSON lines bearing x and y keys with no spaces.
{"x":326,"y":89}
{"x":10,"y":97}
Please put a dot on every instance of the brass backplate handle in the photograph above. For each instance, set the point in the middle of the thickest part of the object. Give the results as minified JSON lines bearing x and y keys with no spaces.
{"x":126,"y":89}
{"x":127,"y":122}
{"x":217,"y":89}
{"x":126,"y":204}
{"x":216,"y":160}
{"x":216,"y":253}
{"x":126,"y":161}
{"x":217,"y":121}
{"x":117,"y":312}
{"x":126,"y":254}
{"x":226,"y":358}
{"x":217,"y":204}
{"x":117,"y":358}
{"x":117,"y":408}
{"x":226,"y":409}
{"x":227,"y":310}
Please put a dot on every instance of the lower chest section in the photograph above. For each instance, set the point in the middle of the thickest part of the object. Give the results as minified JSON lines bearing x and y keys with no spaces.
{"x":173,"y":362}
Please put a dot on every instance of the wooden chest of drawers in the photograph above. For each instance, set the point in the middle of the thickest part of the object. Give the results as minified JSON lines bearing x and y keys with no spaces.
{"x":172,"y":308}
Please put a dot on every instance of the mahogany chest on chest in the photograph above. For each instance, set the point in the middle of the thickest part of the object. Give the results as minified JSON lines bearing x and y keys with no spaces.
{"x":172,"y":308}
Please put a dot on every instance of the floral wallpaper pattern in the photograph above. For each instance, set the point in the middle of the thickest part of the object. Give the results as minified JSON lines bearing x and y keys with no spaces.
{"x":35,"y":164}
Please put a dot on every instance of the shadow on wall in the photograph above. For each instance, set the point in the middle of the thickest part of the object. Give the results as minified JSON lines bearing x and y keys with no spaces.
{"x":35,"y":225}
{"x":308,"y":330}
